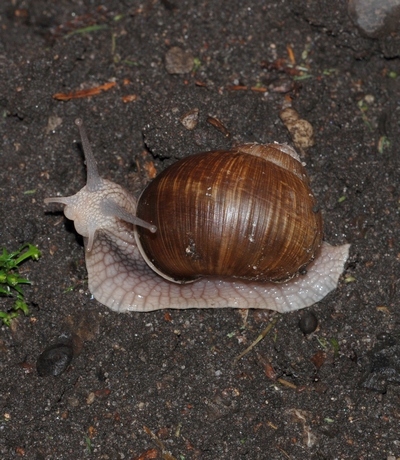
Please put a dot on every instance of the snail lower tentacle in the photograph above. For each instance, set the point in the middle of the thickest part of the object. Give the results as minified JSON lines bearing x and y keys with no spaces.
{"x":218,"y":229}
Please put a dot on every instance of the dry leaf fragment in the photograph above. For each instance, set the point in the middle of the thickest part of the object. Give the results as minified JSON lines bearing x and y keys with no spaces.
{"x":218,"y":125}
{"x":318,"y":359}
{"x":266,"y":364}
{"x":151,"y":170}
{"x":148,"y":455}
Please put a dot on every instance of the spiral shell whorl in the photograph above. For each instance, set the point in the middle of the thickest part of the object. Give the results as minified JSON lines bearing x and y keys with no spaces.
{"x":231,"y":214}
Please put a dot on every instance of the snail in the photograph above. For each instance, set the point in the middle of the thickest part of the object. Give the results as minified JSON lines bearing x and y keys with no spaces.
{"x":238,"y":228}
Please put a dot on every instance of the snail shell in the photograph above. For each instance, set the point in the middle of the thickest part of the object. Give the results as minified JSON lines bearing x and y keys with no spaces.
{"x":275,"y":214}
{"x":246,"y":213}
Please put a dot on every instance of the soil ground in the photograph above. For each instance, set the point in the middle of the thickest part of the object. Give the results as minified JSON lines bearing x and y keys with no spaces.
{"x":171,"y":371}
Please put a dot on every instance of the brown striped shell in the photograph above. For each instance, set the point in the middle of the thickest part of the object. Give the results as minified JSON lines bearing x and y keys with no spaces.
{"x":245,"y":213}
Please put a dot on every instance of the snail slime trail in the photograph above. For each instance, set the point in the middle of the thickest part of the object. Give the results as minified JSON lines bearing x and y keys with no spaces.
{"x":200,"y":236}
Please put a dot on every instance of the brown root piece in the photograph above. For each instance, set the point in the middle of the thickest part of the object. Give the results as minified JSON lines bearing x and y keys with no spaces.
{"x":84,"y":92}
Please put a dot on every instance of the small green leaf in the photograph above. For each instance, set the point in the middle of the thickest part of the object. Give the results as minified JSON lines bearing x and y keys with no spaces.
{"x":196,"y":64}
{"x":362,"y":105}
{"x":21,"y":305}
{"x":32,"y":252}
{"x":328,"y":72}
{"x":11,"y":281}
{"x":128,"y":62}
{"x":302,"y":77}
{"x":383,"y":144}
{"x":88,"y":444}
{"x":349,"y":279}
{"x":305,"y":52}
{"x":7,"y":317}
{"x":87,"y":30}
{"x":5,"y":291}
{"x":19,"y":290}
{"x":329,"y":420}
{"x":335,"y":345}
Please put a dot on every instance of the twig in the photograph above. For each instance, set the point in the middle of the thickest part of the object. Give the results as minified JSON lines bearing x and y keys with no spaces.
{"x":258,"y":339}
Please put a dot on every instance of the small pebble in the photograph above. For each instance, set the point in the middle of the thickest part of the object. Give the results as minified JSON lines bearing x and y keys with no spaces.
{"x":73,"y":402}
{"x":90,"y":399}
{"x":300,"y":130}
{"x":178,"y":61}
{"x":308,"y":323}
{"x":53,"y":122}
{"x":385,"y":337}
{"x":375,"y":18}
{"x":190,"y":119}
{"x":102,"y":394}
{"x":54,"y":360}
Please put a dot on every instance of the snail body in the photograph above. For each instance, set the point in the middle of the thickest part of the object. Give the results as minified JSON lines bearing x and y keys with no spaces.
{"x":213,"y":230}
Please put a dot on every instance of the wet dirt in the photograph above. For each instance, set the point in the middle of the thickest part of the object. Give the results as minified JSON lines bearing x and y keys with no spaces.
{"x":171,"y":371}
